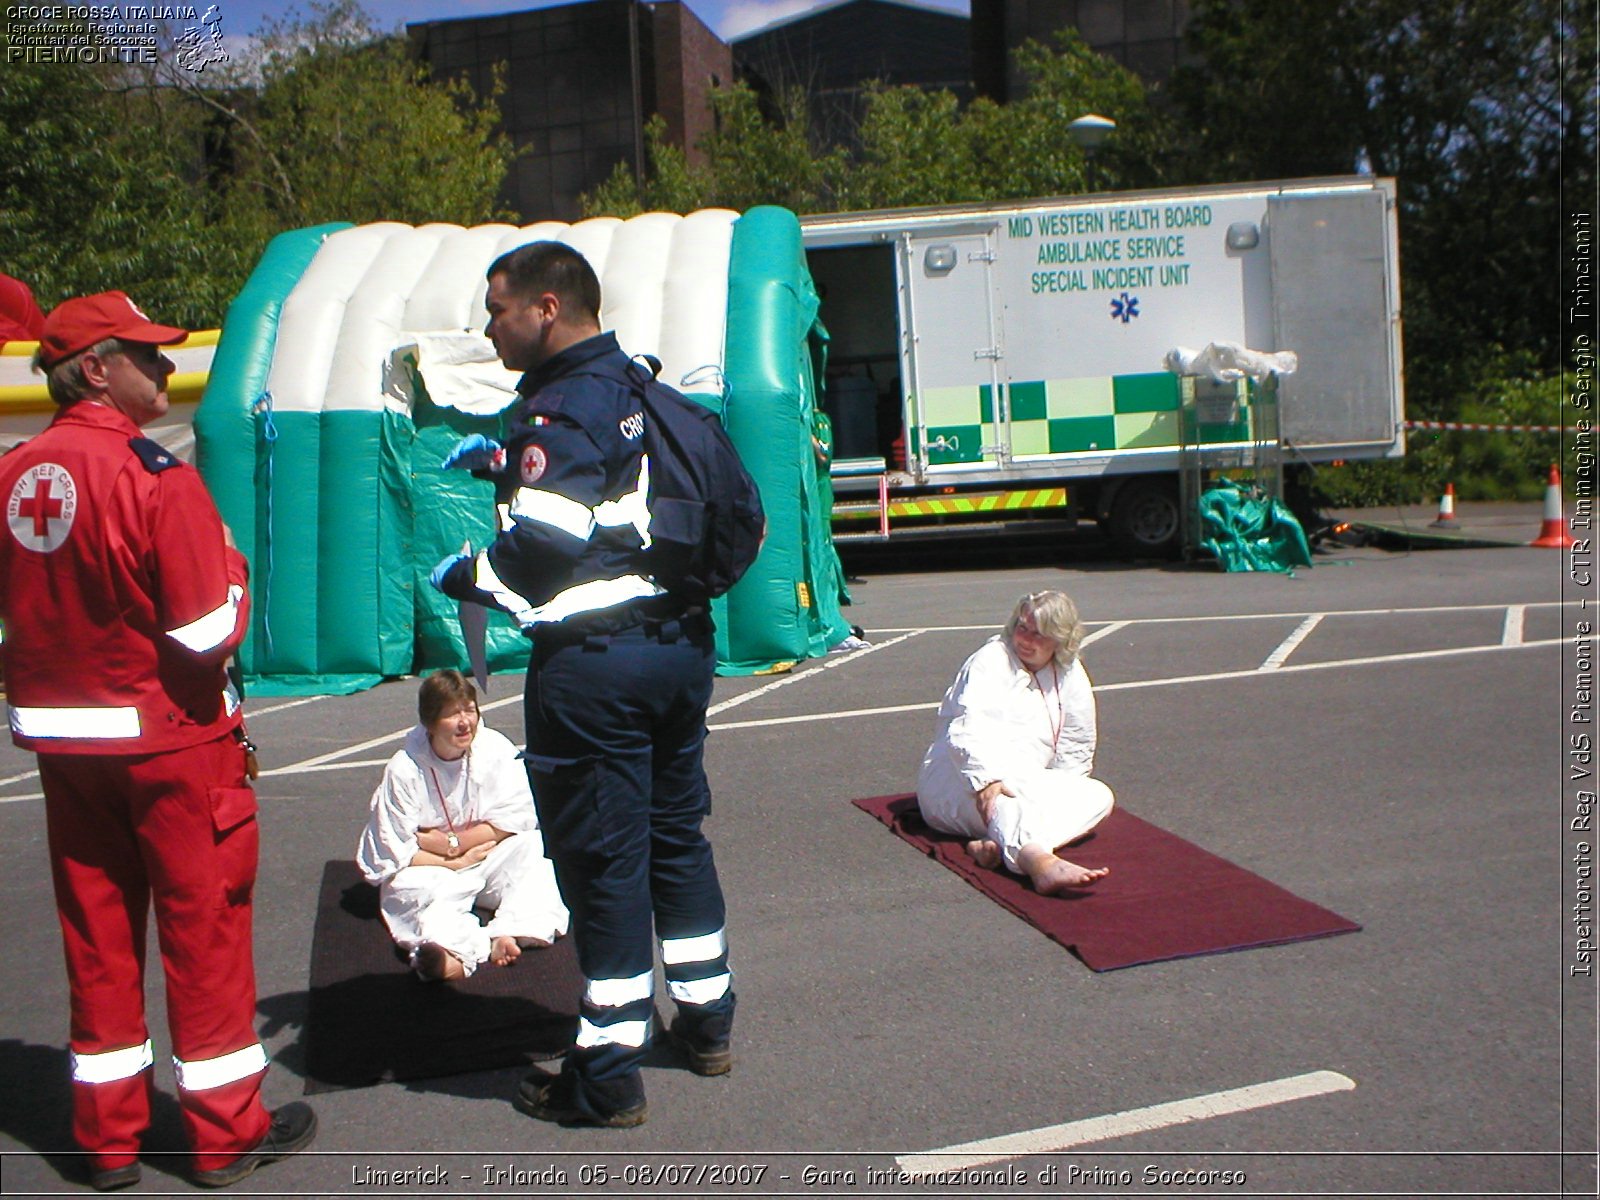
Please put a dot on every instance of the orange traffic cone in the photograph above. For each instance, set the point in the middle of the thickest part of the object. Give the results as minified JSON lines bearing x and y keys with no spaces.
{"x":1553,"y":532}
{"x":1447,"y":510}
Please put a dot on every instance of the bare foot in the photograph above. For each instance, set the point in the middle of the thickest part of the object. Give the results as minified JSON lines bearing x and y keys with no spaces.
{"x":504,"y":951}
{"x":1055,"y":875}
{"x":984,"y":852}
{"x":434,"y":962}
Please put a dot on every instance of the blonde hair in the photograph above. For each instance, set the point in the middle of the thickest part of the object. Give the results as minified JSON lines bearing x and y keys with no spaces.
{"x":1055,"y":616}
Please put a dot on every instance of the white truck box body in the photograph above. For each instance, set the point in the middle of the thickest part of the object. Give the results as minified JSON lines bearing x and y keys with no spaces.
{"x":1023,"y":343}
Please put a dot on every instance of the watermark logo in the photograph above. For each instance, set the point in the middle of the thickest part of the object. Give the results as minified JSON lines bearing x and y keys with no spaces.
{"x":200,"y":45}
{"x":113,"y":33}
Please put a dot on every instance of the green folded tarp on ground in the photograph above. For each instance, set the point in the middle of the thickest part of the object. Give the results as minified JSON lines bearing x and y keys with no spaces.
{"x":1247,"y":532}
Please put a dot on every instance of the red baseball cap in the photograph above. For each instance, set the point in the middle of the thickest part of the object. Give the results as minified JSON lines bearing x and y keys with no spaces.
{"x":75,"y":325}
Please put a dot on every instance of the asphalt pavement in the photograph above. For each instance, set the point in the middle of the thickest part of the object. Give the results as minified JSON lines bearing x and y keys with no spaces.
{"x":1387,"y":733}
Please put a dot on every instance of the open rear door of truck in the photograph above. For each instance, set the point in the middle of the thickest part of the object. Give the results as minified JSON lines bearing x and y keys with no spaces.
{"x":1336,"y":304}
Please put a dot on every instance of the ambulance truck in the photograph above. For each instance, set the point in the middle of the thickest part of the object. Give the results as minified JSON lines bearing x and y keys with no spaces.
{"x":992,"y":363}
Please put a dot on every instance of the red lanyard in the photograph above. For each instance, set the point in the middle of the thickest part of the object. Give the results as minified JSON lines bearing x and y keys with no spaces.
{"x":1060,"y":720}
{"x":466,"y":776}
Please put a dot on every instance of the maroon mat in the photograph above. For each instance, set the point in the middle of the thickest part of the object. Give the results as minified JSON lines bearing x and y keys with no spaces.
{"x":369,"y":1018}
{"x":1165,"y":897}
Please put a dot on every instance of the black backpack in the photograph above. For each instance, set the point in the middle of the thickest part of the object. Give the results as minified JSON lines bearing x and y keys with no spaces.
{"x":706,"y":521}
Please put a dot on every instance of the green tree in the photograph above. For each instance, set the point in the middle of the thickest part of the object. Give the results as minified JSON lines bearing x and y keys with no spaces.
{"x":95,"y":194}
{"x":328,"y":119}
{"x":913,"y":147}
{"x":670,"y":183}
{"x":1473,"y":106}
{"x":917,"y":147}
{"x":752,"y":158}
{"x":757,"y":160}
{"x":167,"y":182}
{"x":1026,"y":149}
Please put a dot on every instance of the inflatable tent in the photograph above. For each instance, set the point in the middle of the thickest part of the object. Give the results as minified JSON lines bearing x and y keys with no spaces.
{"x":354,"y":359}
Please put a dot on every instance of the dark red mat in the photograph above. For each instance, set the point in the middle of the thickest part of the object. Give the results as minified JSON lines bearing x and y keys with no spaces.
{"x":370,"y":1019}
{"x":1165,"y":897}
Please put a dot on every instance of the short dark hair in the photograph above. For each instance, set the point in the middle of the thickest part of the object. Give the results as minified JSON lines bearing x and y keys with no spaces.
{"x":540,"y":267}
{"x":443,"y":690}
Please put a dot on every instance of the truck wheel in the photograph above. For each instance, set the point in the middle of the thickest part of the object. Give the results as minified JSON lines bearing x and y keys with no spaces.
{"x":1144,"y":518}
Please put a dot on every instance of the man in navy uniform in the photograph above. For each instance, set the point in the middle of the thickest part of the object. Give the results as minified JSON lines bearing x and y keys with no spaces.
{"x":618,"y":683}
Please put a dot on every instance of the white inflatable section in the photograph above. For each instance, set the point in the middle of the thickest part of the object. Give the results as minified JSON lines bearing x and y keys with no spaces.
{"x":450,"y":293}
{"x":313,"y":316}
{"x":376,"y":289}
{"x":375,"y":318}
{"x":695,"y":289}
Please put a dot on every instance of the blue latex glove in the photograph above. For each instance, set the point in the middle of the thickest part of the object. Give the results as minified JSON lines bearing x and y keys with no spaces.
{"x":436,"y":578}
{"x":476,"y":453}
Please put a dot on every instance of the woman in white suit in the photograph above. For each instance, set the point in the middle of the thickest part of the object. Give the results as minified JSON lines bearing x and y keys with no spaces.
{"x":1011,"y":765}
{"x":452,"y":827}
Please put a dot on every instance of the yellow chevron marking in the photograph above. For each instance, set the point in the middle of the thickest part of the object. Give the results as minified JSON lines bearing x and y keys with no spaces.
{"x":958,"y":506}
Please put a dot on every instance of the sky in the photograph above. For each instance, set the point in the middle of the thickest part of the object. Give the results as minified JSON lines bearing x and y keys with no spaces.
{"x":726,"y":18}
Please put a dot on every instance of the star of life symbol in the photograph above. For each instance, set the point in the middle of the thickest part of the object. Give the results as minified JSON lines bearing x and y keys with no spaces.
{"x":1125,"y":308}
{"x":200,"y":45}
{"x":41,"y":506}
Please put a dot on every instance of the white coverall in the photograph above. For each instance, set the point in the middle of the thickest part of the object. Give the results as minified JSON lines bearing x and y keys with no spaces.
{"x":1035,"y":731}
{"x":434,"y":904}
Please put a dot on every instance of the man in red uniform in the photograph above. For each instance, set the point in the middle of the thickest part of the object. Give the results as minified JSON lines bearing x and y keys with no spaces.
{"x":123,"y":596}
{"x":20,"y":318}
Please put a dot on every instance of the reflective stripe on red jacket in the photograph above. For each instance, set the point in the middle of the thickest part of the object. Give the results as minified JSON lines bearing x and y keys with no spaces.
{"x":120,"y":600}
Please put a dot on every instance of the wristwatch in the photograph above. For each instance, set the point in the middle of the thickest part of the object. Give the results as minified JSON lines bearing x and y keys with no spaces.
{"x":451,"y":840}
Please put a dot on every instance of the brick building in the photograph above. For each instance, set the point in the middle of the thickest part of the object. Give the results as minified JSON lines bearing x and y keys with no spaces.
{"x":581,"y":81}
{"x":1146,"y":36}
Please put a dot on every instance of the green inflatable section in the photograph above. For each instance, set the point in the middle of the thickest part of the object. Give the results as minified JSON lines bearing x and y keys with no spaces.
{"x":237,"y":451}
{"x":450,"y":508}
{"x":787,"y":607}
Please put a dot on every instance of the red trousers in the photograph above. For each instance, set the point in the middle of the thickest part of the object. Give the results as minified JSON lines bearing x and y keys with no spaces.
{"x":178,"y":829}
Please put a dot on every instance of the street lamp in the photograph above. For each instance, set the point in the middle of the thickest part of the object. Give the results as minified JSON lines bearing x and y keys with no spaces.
{"x":1088,"y":132}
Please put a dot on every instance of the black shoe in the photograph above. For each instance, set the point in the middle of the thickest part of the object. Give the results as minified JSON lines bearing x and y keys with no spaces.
{"x":114,"y":1178}
{"x":293,"y":1126}
{"x":537,"y":1096}
{"x":705,"y":1057}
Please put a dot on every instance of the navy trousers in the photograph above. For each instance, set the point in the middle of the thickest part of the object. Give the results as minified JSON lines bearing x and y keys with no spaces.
{"x":616,"y":731}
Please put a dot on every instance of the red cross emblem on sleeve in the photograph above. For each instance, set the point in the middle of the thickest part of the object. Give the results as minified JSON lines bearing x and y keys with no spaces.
{"x":41,"y":507}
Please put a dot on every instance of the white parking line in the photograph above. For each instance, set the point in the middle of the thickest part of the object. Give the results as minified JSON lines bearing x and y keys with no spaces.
{"x":1262,"y":616}
{"x":827,"y":665}
{"x":1134,"y":1120}
{"x":1511,"y":639}
{"x":252,"y":712}
{"x":1104,"y":631}
{"x":1129,"y":685}
{"x":307,"y":764}
{"x":1511,"y":630}
{"x":1286,"y":647}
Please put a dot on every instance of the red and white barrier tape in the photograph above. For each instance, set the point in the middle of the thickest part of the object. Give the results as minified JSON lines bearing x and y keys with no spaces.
{"x":1463,"y":427}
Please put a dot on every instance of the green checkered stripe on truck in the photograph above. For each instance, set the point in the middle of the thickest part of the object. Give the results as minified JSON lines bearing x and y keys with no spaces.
{"x":1065,"y":416}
